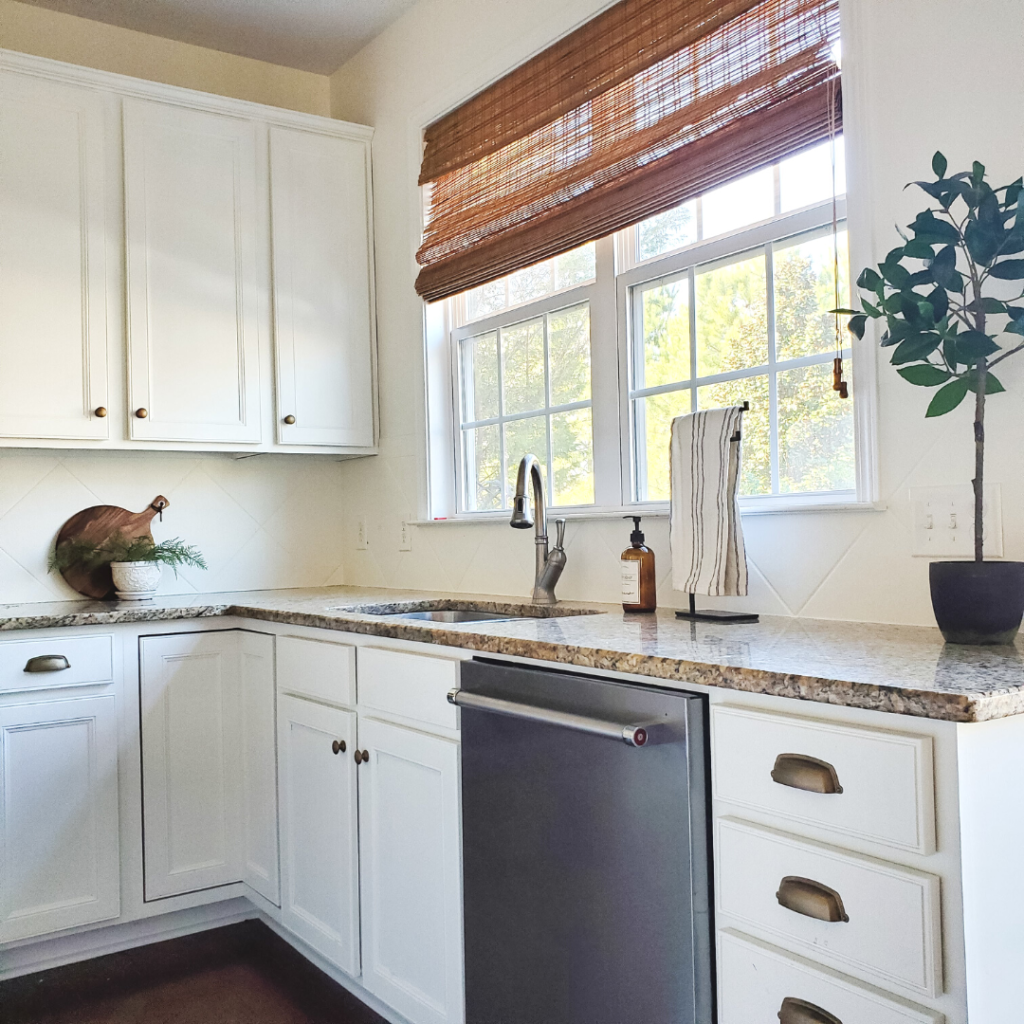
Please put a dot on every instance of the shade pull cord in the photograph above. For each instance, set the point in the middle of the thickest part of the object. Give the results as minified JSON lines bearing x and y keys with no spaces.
{"x":838,"y":381}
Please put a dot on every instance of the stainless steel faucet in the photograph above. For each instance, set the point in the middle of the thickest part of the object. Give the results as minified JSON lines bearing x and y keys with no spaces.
{"x":549,"y":566}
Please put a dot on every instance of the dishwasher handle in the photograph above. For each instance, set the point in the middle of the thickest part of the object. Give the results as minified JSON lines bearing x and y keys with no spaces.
{"x":632,"y":735}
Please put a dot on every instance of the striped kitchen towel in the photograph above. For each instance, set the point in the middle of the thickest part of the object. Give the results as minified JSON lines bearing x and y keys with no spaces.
{"x":708,"y":556}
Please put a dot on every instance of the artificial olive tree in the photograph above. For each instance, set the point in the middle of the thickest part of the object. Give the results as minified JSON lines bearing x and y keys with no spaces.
{"x":947,"y":294}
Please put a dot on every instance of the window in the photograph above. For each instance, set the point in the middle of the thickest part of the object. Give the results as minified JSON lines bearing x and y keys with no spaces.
{"x":585,"y":359}
{"x":525,"y":383}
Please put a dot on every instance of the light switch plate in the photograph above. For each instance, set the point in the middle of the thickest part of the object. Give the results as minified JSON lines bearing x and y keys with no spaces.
{"x":362,"y":534}
{"x":944,"y":521}
{"x":404,"y":536}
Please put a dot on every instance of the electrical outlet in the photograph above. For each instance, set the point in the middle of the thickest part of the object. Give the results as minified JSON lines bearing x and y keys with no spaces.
{"x":944,"y":522}
{"x":405,"y":536}
{"x":362,"y":534}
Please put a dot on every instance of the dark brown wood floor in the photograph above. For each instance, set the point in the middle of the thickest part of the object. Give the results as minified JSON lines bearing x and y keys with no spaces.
{"x":242,"y":974}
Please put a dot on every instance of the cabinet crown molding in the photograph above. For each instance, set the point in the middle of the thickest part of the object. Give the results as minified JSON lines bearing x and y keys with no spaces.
{"x":140,"y":88}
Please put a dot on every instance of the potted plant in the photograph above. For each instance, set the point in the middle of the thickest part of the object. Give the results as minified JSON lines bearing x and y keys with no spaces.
{"x":946,"y":295}
{"x":135,"y":562}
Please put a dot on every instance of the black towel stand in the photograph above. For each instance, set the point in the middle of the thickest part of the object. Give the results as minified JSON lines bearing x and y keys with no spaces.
{"x":728,"y":618}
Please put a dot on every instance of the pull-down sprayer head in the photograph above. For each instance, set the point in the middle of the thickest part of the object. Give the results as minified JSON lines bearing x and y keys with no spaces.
{"x":522,"y":516}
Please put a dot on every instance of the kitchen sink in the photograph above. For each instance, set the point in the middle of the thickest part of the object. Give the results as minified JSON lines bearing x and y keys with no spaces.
{"x":463,"y":611}
{"x":453,"y":615}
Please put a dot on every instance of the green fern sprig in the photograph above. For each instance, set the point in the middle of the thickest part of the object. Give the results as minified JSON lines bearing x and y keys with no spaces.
{"x":118,"y":548}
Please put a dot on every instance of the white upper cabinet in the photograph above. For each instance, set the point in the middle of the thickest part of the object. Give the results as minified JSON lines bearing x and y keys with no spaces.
{"x":53,"y":332}
{"x":323,"y":315}
{"x":180,"y":270}
{"x":191,"y":231}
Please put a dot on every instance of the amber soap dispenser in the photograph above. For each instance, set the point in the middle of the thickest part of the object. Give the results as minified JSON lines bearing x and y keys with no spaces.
{"x":637,"y":570}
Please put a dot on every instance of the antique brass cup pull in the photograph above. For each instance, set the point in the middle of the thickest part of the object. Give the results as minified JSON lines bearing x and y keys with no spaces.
{"x":798,"y":771}
{"x":811,"y":899}
{"x":799,"y":1011}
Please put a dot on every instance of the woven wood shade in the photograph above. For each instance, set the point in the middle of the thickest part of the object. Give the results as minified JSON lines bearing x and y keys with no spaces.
{"x":649,"y":104}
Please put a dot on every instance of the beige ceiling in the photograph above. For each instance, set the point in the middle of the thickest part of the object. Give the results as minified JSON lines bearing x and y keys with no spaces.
{"x":314,"y":35}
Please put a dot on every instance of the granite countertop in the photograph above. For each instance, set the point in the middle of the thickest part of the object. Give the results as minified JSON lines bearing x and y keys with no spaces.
{"x":905,"y":670}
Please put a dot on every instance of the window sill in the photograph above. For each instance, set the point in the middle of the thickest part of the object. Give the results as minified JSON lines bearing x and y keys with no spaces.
{"x":748,"y":507}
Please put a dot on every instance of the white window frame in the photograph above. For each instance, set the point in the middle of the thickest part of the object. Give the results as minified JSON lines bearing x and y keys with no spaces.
{"x":612,"y":327}
{"x":761,"y":238}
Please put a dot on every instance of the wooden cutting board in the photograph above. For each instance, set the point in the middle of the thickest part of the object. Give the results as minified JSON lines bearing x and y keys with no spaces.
{"x":95,"y":525}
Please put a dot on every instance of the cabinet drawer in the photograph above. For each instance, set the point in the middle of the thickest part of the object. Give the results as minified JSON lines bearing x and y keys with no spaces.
{"x":411,"y":685}
{"x":755,"y":979}
{"x":317,"y":668}
{"x":89,"y":659}
{"x":883,"y":780}
{"x":892,"y":932}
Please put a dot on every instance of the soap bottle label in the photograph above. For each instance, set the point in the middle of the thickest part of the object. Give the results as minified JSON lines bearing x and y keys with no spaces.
{"x":630,"y":568}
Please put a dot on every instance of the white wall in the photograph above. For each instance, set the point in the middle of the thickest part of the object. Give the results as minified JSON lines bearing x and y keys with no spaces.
{"x":919,"y":75}
{"x":269,"y":521}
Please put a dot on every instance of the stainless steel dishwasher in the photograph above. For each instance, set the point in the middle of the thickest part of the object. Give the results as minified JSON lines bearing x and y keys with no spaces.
{"x":585,"y":857}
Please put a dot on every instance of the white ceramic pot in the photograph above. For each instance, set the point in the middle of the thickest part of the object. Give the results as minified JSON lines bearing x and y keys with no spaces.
{"x":136,"y":581}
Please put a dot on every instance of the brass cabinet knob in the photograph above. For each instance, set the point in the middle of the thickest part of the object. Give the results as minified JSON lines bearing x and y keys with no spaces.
{"x":101,"y":411}
{"x":338,"y":746}
{"x":362,"y":756}
{"x":289,"y":420}
{"x":142,"y":413}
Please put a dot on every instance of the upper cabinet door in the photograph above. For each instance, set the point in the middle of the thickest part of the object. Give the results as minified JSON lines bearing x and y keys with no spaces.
{"x":53,"y":332}
{"x":323,"y":293}
{"x":191,"y":225}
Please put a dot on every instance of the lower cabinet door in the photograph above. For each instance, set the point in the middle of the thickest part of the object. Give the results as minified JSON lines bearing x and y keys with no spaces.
{"x":411,"y":871}
{"x":191,"y":762}
{"x":59,"y":850}
{"x":259,"y":764}
{"x":319,"y":844}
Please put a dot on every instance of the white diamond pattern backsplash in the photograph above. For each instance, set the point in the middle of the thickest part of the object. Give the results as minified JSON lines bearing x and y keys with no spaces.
{"x":271,"y":521}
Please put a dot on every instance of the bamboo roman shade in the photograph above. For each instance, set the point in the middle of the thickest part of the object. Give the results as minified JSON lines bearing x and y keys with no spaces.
{"x":647,"y":105}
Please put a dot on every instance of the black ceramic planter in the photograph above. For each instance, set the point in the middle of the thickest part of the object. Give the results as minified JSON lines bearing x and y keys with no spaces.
{"x":978,"y":602}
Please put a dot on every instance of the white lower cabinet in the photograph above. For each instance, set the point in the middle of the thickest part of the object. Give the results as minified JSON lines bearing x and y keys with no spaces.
{"x":759,"y":983}
{"x":371,"y":855}
{"x":867,"y":917}
{"x":59,"y":849}
{"x":410,"y":856}
{"x":261,"y":867}
{"x":200,"y":830}
{"x":320,"y":870}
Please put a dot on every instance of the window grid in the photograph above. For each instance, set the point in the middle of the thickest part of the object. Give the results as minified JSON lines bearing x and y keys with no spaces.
{"x":619,"y":471}
{"x":547,"y":411}
{"x":771,"y":368}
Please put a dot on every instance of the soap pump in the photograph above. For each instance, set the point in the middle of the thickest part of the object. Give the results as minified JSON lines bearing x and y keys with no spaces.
{"x":639,"y":586}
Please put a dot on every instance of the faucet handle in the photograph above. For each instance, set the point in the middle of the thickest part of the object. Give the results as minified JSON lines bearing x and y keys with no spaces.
{"x":560,"y":535}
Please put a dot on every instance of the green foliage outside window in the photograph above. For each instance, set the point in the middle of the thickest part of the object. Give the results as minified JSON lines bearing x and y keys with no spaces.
{"x":815,"y":429}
